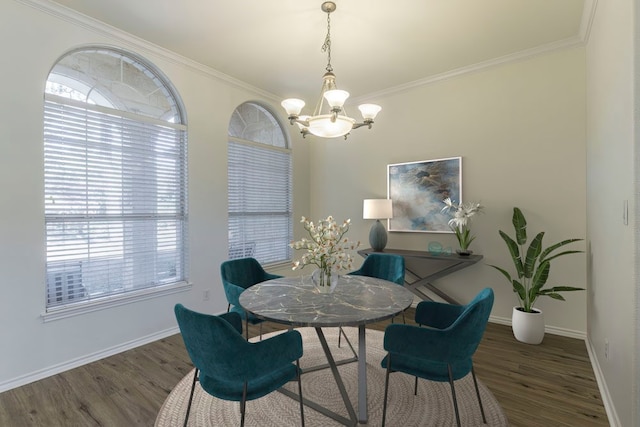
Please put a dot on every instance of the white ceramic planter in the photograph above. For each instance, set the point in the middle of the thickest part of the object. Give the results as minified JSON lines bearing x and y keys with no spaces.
{"x":528,"y":327}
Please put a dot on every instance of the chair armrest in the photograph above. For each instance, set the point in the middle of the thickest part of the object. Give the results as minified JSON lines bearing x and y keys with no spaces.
{"x":269,"y":276}
{"x":431,"y":344}
{"x":272,"y":353}
{"x":233,"y":293}
{"x":436,"y":314}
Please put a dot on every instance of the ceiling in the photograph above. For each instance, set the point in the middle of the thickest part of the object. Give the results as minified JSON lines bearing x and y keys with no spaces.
{"x":376,"y":47}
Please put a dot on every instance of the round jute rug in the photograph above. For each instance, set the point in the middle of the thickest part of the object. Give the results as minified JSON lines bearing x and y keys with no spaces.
{"x":433,"y":406}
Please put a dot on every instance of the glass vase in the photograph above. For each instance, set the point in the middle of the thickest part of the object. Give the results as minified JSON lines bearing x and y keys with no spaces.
{"x":325,"y":280}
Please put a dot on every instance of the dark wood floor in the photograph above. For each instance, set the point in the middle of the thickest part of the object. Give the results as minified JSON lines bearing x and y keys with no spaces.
{"x":551,"y":384}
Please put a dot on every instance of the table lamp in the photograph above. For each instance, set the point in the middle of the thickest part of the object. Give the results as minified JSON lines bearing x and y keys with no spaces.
{"x":377,"y":209}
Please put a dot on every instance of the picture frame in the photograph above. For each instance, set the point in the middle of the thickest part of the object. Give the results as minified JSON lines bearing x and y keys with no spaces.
{"x":417,"y":190}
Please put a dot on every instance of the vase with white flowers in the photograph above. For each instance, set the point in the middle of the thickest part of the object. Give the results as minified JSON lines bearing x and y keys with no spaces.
{"x":460,"y":223}
{"x":326,"y":248}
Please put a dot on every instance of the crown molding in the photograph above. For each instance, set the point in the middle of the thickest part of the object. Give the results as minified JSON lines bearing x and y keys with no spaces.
{"x":581,"y":39}
{"x":588,"y":14}
{"x":123,"y":38}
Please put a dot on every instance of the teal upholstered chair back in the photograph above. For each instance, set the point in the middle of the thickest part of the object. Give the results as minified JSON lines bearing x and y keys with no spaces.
{"x":467,"y":328}
{"x":214,"y":343}
{"x":238,"y":275}
{"x":382,"y":266}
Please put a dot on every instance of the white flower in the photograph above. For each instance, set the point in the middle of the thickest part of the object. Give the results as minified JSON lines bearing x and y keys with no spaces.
{"x":327,"y":247}
{"x":461,"y":219}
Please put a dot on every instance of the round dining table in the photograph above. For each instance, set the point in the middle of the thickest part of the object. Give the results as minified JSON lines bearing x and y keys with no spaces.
{"x":356,"y":301}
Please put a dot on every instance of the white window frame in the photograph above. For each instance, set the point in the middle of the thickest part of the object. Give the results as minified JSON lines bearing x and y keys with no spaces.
{"x":120,"y":176}
{"x":260,"y":223}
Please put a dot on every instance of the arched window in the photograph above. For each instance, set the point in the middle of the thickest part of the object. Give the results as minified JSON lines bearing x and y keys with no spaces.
{"x":259,"y":180}
{"x":115,"y":170}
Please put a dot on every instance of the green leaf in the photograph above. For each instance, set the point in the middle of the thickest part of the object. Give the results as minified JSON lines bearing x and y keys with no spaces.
{"x":532,"y":255}
{"x":552,"y":248}
{"x":519,"y":289}
{"x":556,"y":296}
{"x":560,"y":254}
{"x":520,"y":226}
{"x":563,"y":289}
{"x":504,"y":272}
{"x":514,"y":250}
{"x":541,"y":276}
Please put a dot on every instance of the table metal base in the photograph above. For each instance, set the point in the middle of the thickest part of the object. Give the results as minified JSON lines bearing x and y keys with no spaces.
{"x":333,"y":365}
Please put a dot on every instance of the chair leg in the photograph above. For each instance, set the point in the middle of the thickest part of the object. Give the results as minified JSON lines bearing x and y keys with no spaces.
{"x":475,"y":383}
{"x":228,"y":307}
{"x":300,"y":392}
{"x":386,"y":390}
{"x":340,"y":332}
{"x":246,"y":327}
{"x":453,"y":394}
{"x":243,"y":404}
{"x":193,"y":387}
{"x":415,"y":387}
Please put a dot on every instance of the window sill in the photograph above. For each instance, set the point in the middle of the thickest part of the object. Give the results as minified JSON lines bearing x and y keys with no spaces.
{"x":90,"y":306}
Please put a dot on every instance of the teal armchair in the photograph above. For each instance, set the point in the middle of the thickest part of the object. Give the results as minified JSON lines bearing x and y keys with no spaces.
{"x":238,"y":275}
{"x":231,"y":368}
{"x":383,"y":266}
{"x":443,"y":350}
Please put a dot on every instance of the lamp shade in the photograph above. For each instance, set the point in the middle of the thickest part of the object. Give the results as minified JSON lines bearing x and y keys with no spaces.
{"x":377,"y":209}
{"x":292,"y":106}
{"x":336,"y":97}
{"x":369,"y":111}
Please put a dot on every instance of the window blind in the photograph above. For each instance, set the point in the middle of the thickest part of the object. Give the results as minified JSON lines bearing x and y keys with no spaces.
{"x":115,"y":202}
{"x":260,"y":202}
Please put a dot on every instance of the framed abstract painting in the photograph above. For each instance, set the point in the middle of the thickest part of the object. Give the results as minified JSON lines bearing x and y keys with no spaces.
{"x":417,"y":190}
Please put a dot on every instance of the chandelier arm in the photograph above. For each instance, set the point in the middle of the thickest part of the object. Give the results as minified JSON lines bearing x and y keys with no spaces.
{"x":295,"y":119}
{"x":367,"y":122}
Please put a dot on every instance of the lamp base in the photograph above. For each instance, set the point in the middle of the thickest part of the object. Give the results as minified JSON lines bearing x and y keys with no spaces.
{"x":378,"y":236}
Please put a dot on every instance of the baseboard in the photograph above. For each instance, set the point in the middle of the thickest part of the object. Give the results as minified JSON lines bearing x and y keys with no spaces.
{"x":62,"y":367}
{"x":614,"y":420}
{"x":569,"y":333}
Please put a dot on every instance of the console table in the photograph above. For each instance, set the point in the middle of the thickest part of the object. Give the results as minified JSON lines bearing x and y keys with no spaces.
{"x":424,"y":267}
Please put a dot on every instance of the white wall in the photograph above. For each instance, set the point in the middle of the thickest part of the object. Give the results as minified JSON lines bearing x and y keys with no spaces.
{"x":520,"y":129}
{"x":33,"y":41}
{"x":610,"y":180}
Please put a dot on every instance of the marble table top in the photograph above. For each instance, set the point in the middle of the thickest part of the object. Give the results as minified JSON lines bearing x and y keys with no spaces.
{"x":295,"y":301}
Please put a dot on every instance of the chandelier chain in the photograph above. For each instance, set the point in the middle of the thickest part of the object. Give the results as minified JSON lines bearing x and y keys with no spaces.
{"x":326,"y":47}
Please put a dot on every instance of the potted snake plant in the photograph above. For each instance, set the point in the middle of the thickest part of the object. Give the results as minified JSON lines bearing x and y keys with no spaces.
{"x":532,"y":264}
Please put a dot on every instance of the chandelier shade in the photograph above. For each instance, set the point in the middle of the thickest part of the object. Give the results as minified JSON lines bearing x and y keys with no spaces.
{"x":330,"y":121}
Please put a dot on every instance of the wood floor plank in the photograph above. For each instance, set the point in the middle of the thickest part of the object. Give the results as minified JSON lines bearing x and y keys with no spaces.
{"x":551,"y":384}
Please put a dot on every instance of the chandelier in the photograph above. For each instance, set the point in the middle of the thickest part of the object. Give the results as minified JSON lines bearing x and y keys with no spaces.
{"x":329,"y":121}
